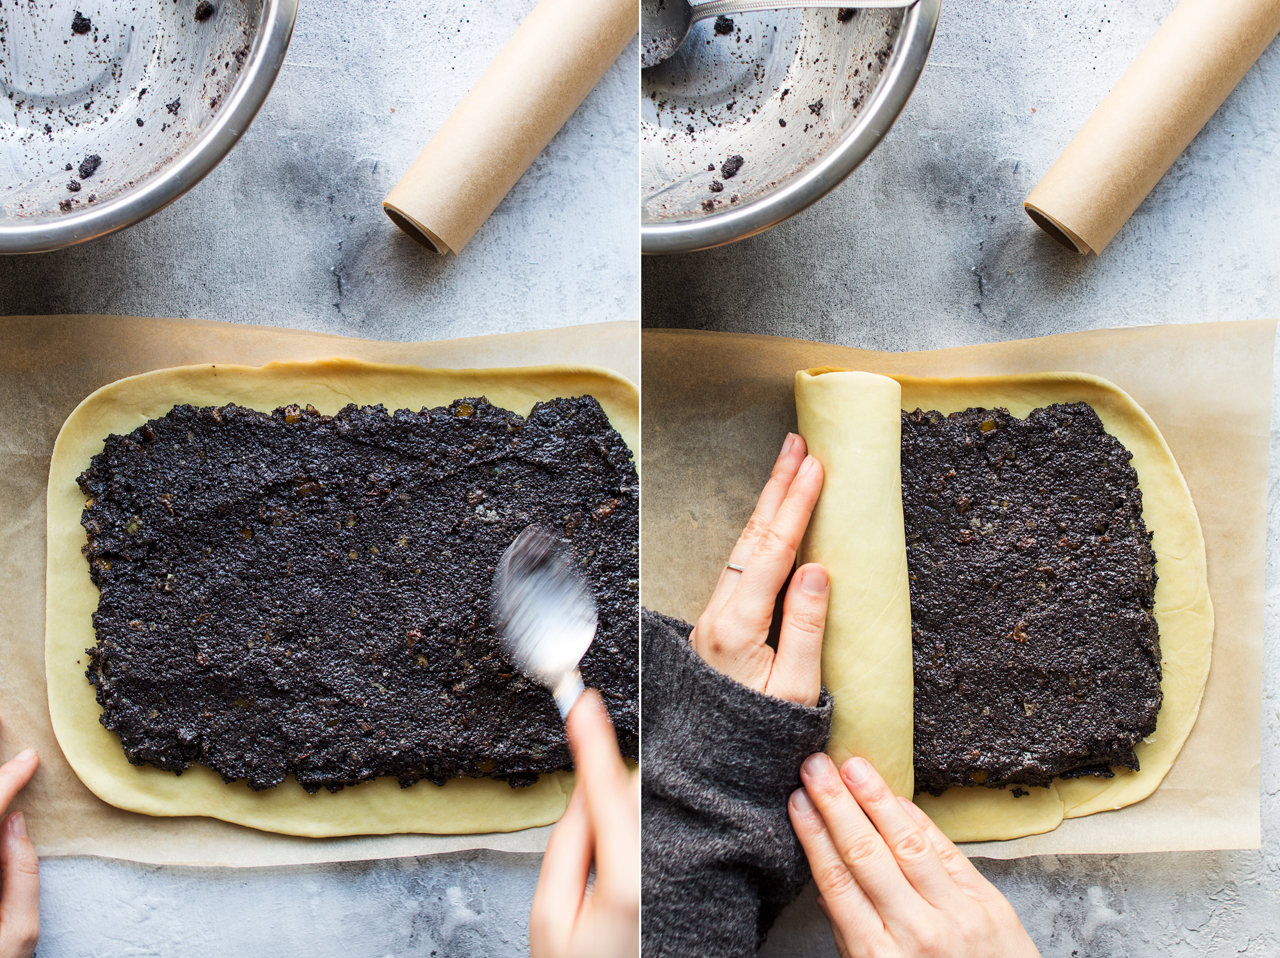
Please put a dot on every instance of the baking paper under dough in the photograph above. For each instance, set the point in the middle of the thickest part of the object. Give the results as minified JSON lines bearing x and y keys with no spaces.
{"x":1183,"y":609}
{"x":373,"y":808}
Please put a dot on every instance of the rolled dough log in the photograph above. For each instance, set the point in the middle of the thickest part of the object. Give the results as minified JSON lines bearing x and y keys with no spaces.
{"x":852,"y":424}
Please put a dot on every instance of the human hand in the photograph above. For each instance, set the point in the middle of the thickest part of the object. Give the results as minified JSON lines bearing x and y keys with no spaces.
{"x":730,"y":635}
{"x":889,"y":881}
{"x":601,"y":822}
{"x":19,"y":869}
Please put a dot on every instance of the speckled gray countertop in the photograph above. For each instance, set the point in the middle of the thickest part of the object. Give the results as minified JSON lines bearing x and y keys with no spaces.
{"x":926,"y":246}
{"x":288,"y":231}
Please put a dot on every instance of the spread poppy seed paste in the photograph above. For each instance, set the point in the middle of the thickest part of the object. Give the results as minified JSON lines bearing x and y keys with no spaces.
{"x":301,"y":594}
{"x":1032,"y":578}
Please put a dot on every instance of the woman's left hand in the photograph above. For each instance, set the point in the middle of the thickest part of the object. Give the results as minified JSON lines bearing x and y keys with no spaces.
{"x":731,"y":635}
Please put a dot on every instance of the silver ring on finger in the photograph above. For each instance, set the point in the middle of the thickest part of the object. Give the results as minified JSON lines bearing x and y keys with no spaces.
{"x":735,"y":567}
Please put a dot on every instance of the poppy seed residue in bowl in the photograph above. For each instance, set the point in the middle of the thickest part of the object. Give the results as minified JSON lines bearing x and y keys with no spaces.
{"x":76,"y":85}
{"x":731,"y":96}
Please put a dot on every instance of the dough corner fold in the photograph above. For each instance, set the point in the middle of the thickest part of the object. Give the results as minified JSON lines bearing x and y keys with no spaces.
{"x":852,"y":424}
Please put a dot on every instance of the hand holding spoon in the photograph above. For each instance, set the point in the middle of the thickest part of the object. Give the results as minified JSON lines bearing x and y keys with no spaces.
{"x":664,"y":24}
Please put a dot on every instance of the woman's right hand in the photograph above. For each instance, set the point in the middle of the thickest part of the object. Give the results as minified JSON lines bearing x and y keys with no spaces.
{"x":601,"y":830}
{"x":891,"y":884}
{"x":19,"y":869}
{"x":731,"y":634}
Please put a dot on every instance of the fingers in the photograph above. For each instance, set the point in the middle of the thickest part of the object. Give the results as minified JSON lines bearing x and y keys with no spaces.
{"x":19,"y":890}
{"x":771,"y":496}
{"x":865,"y":853}
{"x":967,"y":878}
{"x":852,"y":916}
{"x":775,"y":490}
{"x":774,"y":553}
{"x":879,"y":864}
{"x":614,"y":816}
{"x":15,"y":773}
{"x":797,"y":667}
{"x":562,"y":882}
{"x":841,"y":947}
{"x":731,"y":634}
{"x":911,"y":848}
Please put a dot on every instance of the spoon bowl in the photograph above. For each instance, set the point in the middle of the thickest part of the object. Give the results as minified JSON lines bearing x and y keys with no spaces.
{"x":544,"y":613}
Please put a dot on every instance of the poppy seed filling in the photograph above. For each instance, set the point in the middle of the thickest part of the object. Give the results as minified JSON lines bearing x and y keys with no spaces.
{"x":1035,"y":649}
{"x":308,"y":595}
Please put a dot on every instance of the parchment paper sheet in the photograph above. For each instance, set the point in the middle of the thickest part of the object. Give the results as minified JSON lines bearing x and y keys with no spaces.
{"x":716,"y":408}
{"x":1182,"y":76}
{"x":47,"y":365}
{"x":544,"y":72}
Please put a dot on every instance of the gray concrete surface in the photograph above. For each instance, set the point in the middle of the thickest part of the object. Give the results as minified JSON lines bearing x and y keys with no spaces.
{"x":466,"y":905}
{"x":288,"y":231}
{"x":926,"y":246}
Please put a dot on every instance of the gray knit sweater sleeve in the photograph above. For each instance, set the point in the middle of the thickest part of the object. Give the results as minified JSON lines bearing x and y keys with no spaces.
{"x":718,"y":762}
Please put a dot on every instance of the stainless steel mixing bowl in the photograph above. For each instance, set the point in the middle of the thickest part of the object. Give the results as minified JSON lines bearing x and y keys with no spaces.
{"x":158,"y":92}
{"x":750,"y":123}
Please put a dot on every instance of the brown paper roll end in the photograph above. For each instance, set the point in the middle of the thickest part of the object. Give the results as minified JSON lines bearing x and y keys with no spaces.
{"x":1063,"y":234}
{"x":417,"y":230}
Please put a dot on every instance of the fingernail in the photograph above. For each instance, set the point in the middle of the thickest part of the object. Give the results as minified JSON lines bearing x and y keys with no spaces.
{"x":801,"y":802}
{"x":815,"y":767}
{"x":807,"y":465}
{"x":815,"y":580}
{"x":856,"y":770}
{"x":18,"y":825}
{"x":787,"y":444}
{"x":25,"y":754}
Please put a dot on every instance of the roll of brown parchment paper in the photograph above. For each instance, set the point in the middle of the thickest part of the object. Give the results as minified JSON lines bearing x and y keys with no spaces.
{"x":544,"y":72}
{"x":1172,"y":89}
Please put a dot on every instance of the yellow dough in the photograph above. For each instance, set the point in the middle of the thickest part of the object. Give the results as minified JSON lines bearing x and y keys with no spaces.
{"x":1182,"y":606}
{"x":373,"y":808}
{"x":857,"y":533}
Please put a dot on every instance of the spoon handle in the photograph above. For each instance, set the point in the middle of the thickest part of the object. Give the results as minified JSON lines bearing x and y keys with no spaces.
{"x":568,"y":692}
{"x":719,"y":8}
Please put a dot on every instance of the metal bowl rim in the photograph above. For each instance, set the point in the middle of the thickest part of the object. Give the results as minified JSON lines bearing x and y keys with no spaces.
{"x":896,"y":86}
{"x":190,"y":166}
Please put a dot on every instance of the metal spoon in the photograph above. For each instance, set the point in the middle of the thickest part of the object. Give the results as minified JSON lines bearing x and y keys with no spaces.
{"x":544,"y":613}
{"x":664,"y":24}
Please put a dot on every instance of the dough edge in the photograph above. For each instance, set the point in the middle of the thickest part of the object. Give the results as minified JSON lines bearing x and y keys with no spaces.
{"x":1183,"y":607}
{"x":463,"y":806}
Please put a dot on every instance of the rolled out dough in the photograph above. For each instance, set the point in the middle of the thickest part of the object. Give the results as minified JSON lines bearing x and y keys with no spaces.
{"x":843,"y":416}
{"x":373,"y":808}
